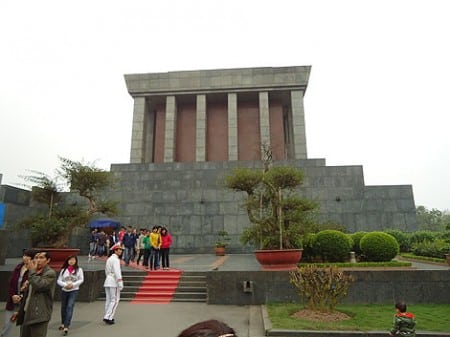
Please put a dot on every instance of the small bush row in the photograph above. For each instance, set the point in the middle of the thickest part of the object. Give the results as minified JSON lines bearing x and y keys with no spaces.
{"x":332,"y":245}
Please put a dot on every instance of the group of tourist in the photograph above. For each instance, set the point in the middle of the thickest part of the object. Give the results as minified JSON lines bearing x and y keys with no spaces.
{"x":152,"y":246}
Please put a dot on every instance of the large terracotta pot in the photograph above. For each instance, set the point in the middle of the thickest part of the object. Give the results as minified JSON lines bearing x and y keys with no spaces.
{"x":285,"y":259}
{"x":59,"y":255}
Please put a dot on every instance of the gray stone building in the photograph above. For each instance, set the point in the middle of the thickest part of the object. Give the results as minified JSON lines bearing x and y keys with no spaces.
{"x":191,"y":128}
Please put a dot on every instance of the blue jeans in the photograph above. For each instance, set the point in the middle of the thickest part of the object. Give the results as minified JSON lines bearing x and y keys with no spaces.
{"x":154,"y":258}
{"x":67,"y":303}
{"x":127,"y":254}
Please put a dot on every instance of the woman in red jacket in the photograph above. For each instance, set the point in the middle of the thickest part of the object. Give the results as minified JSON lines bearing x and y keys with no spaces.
{"x":166,"y":242}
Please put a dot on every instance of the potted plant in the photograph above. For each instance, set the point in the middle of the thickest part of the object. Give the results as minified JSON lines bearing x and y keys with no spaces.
{"x":222,"y":241}
{"x":55,"y":219}
{"x":277,"y":215}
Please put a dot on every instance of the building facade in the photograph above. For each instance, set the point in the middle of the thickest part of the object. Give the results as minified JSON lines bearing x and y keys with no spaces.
{"x":218,"y":115}
{"x":191,"y":128}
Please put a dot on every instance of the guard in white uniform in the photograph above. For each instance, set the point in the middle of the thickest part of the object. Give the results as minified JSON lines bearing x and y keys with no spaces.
{"x":113,"y":283}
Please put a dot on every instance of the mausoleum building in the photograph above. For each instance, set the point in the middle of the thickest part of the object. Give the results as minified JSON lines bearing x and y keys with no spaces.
{"x":191,"y":128}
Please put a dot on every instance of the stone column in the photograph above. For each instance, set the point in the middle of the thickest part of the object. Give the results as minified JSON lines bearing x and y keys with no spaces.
{"x":138,"y":134}
{"x":264,"y":123}
{"x":200,"y":138}
{"x":298,"y":119}
{"x":232,"y":127}
{"x":170,"y":130}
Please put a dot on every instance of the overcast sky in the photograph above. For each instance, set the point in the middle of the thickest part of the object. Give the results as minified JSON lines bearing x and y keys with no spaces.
{"x":378,"y":94}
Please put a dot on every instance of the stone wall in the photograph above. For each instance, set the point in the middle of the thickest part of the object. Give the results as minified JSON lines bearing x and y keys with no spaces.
{"x":190,"y":198}
{"x":414,"y":286}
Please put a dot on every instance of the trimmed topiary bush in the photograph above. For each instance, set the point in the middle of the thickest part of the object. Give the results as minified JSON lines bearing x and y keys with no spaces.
{"x":309,"y":247}
{"x":379,"y":246}
{"x":333,"y":246}
{"x":356,"y":237}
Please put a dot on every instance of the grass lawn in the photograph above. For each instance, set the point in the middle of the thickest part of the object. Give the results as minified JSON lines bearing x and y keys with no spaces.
{"x":429,"y":317}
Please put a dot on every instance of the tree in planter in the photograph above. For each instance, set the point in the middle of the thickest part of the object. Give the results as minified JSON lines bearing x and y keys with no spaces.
{"x":53,"y":228}
{"x":223,"y":239}
{"x":279,"y":217}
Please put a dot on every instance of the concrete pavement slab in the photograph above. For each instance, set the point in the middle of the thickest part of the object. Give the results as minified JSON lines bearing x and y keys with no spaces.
{"x":146,"y":319}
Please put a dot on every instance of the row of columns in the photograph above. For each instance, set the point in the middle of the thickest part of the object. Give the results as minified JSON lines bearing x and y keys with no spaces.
{"x":142,"y":149}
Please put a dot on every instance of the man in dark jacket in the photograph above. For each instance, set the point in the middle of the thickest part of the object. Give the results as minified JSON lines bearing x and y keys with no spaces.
{"x":37,"y":304}
{"x":129,"y":241}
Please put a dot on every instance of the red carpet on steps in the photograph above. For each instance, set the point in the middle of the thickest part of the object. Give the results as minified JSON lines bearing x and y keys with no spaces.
{"x":158,"y":286}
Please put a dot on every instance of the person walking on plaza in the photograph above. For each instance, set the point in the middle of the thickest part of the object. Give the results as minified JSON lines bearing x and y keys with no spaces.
{"x":166,"y":242}
{"x":404,"y":323}
{"x":128,"y":241}
{"x":155,"y":243}
{"x":37,"y":304}
{"x":70,"y":278}
{"x":147,"y":249}
{"x":113,"y":283}
{"x":140,"y":245}
{"x":15,"y":291}
{"x":93,"y":238}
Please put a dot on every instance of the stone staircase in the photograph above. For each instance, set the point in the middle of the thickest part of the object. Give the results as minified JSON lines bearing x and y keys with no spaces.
{"x":191,"y":287}
{"x":162,"y":287}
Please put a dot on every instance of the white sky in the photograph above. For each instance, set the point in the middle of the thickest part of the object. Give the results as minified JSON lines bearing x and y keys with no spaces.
{"x":378,"y":94}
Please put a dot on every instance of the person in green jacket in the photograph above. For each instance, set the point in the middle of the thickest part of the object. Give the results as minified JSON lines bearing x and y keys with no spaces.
{"x":404,"y":322}
{"x":147,"y":248}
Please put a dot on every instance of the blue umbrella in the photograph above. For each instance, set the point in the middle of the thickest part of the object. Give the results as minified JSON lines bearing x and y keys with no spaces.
{"x":102,"y":223}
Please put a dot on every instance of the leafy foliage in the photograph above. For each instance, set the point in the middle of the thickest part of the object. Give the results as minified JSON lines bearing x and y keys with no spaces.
{"x":279,"y":217}
{"x":403,"y":239}
{"x":320,"y":288}
{"x":54,"y":229}
{"x":437,"y":248}
{"x":310,"y":250}
{"x":422,"y":236}
{"x":223,"y":239}
{"x":333,"y":245}
{"x":379,"y":246}
{"x":356,"y":238}
{"x":434,"y":219}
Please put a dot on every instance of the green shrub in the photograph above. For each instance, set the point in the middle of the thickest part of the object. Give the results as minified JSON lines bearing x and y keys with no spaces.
{"x":309,"y":247}
{"x":422,"y":236}
{"x":437,"y":248}
{"x":333,"y":246}
{"x":320,"y":288}
{"x":445,"y":235}
{"x":356,"y":237}
{"x":403,"y":239}
{"x":379,"y":246}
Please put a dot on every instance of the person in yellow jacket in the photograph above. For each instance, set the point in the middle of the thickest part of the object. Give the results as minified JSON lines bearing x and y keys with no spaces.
{"x":155,"y":243}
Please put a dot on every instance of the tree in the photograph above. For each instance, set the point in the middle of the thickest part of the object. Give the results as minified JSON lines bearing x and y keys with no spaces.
{"x":434,"y":219}
{"x":279,"y":217}
{"x":54,"y":228}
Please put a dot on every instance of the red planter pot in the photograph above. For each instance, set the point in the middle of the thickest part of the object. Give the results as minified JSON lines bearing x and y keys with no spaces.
{"x":286,"y":259}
